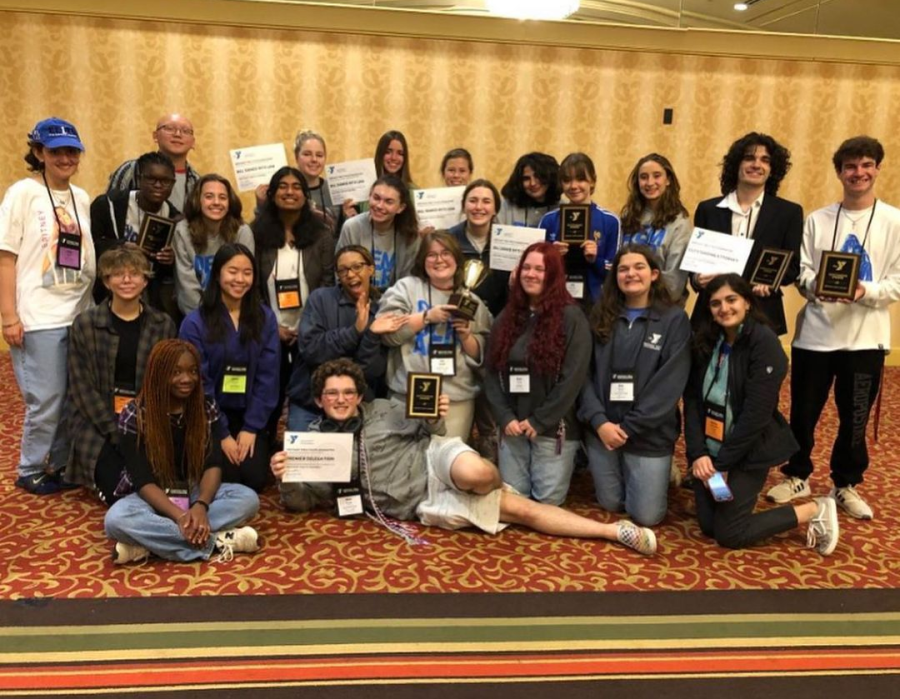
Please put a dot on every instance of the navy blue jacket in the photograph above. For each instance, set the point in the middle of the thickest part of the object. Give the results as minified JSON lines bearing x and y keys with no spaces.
{"x":328,"y":331}
{"x":263,"y":360}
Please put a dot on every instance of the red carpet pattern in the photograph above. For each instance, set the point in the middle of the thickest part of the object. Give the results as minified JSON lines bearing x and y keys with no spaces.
{"x":55,"y":546}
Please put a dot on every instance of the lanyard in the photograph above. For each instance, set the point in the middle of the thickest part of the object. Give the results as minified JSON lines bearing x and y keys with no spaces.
{"x":838,"y":218}
{"x":372,"y":249}
{"x":53,"y":206}
{"x":721,"y":360}
{"x":401,"y":529}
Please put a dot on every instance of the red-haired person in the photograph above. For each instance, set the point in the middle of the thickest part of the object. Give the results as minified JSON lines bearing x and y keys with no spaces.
{"x":538,"y":359}
{"x":178,"y":508}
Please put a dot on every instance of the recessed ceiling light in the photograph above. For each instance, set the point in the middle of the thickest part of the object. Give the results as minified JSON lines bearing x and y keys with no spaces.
{"x":740,"y":6}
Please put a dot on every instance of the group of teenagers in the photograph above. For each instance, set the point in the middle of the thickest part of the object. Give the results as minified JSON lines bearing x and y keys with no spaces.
{"x":159,"y":379}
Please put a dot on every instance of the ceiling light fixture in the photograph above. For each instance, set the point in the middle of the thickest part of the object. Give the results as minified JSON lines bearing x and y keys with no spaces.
{"x":741,"y":6}
{"x":533,"y":9}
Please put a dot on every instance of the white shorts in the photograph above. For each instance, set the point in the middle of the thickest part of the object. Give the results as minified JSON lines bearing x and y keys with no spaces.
{"x":446,"y":506}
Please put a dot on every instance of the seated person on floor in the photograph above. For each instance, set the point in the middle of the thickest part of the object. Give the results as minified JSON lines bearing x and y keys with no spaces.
{"x":405,"y":470}
{"x":108,"y":350}
{"x":178,"y":508}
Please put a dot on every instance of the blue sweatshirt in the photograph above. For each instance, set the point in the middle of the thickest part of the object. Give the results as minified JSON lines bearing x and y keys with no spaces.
{"x":605,"y":232}
{"x":262,"y":359}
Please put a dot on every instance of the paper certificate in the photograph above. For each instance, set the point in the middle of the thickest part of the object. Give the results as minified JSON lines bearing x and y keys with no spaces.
{"x":318,"y":457}
{"x":350,"y":180}
{"x":709,"y":252}
{"x":509,"y":242}
{"x":255,"y":165}
{"x":440,"y":208}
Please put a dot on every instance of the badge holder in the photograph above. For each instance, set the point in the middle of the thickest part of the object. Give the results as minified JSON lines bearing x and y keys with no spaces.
{"x":121,"y":398}
{"x":235,"y":379}
{"x":348,"y":500}
{"x":621,"y":388}
{"x":519,"y":378}
{"x":575,"y":285}
{"x":442,"y":359}
{"x":714,"y":425}
{"x":68,"y":251}
{"x":287,"y":294}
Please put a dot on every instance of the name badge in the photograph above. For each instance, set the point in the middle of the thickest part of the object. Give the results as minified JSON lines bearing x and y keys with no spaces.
{"x":235,"y":379}
{"x":714,"y":426}
{"x":442,"y":359}
{"x":287,"y":294}
{"x":68,"y":251}
{"x":621,"y":388}
{"x":519,"y":379}
{"x":575,"y":285}
{"x":348,"y":500}
{"x":121,"y":398}
{"x":179,"y":498}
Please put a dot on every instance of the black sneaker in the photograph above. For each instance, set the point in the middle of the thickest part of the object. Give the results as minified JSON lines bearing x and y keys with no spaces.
{"x":63,"y":483}
{"x":42,"y":483}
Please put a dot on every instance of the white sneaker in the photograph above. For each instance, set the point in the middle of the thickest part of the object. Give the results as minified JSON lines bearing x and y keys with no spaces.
{"x":232,"y":541}
{"x":823,"y":532}
{"x":127,"y":553}
{"x":852,"y":502}
{"x":640,"y":539}
{"x":789,"y":489}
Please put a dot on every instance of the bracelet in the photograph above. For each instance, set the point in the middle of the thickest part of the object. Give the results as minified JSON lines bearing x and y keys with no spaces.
{"x":202,"y":502}
{"x":13,"y":324}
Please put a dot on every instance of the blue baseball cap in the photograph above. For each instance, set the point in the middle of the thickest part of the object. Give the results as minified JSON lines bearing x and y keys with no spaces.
{"x":56,"y":133}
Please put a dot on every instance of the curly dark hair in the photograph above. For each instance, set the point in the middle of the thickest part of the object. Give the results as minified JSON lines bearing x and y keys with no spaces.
{"x":670,"y":206}
{"x":338,"y":367}
{"x":547,"y":349}
{"x":545,"y":168}
{"x":607,"y":309}
{"x":780,"y":158}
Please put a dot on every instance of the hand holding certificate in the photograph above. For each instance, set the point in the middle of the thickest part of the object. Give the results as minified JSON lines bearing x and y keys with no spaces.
{"x":709,"y":252}
{"x":255,"y":165}
{"x":350,"y":180}
{"x":439,"y":208}
{"x":318,"y":457}
{"x":509,"y":242}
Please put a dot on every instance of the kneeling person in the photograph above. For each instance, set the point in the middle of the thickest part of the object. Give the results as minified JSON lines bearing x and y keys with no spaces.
{"x":407,"y":470}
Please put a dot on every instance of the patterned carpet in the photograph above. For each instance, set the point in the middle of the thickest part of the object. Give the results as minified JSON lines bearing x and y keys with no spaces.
{"x":55,"y":546}
{"x":776,"y":619}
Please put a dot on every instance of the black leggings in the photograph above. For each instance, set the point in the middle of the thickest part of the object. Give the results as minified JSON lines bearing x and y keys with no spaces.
{"x":254,"y":470}
{"x":734,"y":524}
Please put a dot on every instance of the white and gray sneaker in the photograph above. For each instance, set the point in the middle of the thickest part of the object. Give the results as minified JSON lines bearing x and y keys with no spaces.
{"x":789,"y":489}
{"x":128,"y":553}
{"x":852,"y":502}
{"x":822,"y":532}
{"x":641,"y":539}
{"x":232,"y":541}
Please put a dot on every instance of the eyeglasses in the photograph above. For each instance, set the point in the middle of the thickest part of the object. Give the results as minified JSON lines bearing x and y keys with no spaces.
{"x":356,"y":268}
{"x":122,"y":274}
{"x":334,"y":394}
{"x":158,"y":181}
{"x":172,"y":130}
{"x":443,"y":254}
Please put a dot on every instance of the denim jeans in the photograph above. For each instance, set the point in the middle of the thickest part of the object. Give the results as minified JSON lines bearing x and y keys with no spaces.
{"x":535,"y":469}
{"x":133,"y":521}
{"x":41,"y":372}
{"x":637,"y":484}
{"x":300,"y":418}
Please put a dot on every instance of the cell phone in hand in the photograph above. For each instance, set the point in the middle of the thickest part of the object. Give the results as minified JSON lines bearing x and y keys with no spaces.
{"x":719,"y":488}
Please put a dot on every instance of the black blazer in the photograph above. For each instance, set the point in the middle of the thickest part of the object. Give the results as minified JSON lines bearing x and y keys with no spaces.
{"x":780,"y":225}
{"x":761,"y":437}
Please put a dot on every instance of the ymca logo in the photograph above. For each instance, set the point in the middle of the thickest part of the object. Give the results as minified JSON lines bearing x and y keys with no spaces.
{"x":331,"y":169}
{"x":654,"y":342}
{"x":420,"y":194}
{"x":294,"y":438}
{"x":237,"y":154}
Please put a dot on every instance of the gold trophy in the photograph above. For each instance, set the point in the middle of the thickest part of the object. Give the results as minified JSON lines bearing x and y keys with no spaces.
{"x":466,"y":306}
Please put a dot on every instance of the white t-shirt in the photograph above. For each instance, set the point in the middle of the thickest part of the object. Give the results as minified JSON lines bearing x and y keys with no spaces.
{"x":289,"y":265}
{"x":47,"y":296}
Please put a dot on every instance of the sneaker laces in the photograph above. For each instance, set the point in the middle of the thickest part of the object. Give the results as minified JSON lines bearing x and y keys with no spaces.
{"x":225,"y":544}
{"x":816,"y":528}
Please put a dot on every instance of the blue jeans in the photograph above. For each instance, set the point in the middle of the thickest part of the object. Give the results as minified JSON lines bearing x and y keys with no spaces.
{"x":132,"y":521}
{"x":300,"y":418}
{"x":637,"y":484}
{"x":535,"y":469}
{"x":41,"y":372}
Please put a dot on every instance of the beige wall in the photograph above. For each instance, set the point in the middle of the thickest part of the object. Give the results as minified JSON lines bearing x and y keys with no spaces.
{"x":244,"y":86}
